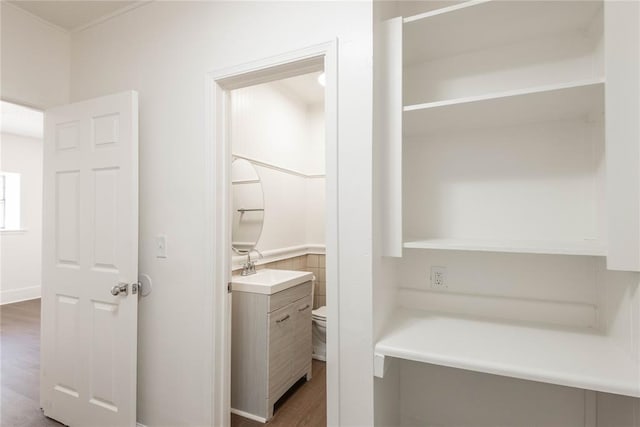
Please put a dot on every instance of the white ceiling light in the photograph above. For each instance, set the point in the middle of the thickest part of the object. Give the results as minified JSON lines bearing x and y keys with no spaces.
{"x":322,"y":79}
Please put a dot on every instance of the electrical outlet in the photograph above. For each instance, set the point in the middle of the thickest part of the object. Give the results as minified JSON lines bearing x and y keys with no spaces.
{"x":439,"y":277}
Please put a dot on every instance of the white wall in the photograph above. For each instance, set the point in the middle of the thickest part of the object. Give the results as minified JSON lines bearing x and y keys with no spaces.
{"x":439,"y":396}
{"x":315,"y":124}
{"x":163,"y":51}
{"x":273,"y":126}
{"x":20,"y":251}
{"x":35,"y":59}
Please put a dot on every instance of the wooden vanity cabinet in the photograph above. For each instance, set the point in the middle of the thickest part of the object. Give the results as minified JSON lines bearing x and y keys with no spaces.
{"x":271,"y":348}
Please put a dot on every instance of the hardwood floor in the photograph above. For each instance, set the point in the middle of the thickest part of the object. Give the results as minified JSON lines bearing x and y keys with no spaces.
{"x":20,"y":366}
{"x":305,"y":405}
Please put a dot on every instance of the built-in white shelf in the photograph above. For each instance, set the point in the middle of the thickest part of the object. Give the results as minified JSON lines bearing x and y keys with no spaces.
{"x":562,"y":101}
{"x":569,"y":357}
{"x":476,"y":25}
{"x":584,"y":247}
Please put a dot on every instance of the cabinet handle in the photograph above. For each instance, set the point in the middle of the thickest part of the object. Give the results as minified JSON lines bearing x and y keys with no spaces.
{"x":283,"y":319}
{"x":304,"y":308}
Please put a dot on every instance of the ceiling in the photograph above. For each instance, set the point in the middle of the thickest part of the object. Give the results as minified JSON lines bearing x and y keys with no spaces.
{"x":72,"y":15}
{"x":19,"y":120}
{"x":305,"y":87}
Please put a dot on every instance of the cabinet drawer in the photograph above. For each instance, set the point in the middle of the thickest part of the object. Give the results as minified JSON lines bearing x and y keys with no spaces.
{"x":283,"y":298}
{"x":281,"y":333}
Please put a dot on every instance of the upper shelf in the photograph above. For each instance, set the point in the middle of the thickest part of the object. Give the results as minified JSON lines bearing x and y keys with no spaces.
{"x":585,"y":247}
{"x":538,"y":104}
{"x":476,"y":25}
{"x":567,"y":357}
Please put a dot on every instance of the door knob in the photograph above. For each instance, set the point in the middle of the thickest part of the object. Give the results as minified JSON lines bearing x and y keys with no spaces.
{"x":120,"y":288}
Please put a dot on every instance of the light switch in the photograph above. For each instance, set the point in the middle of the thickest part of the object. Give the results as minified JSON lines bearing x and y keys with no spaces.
{"x":161,"y":246}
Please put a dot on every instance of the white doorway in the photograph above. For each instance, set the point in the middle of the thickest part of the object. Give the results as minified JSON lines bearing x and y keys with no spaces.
{"x":278,"y":223}
{"x":69,"y":231}
{"x":219,"y":85}
{"x":21,"y":149}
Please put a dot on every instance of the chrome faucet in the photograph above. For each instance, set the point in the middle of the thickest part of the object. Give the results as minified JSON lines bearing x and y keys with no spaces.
{"x":249,"y":267}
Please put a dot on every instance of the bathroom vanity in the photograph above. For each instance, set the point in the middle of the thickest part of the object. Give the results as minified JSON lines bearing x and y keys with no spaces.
{"x":271,"y":345}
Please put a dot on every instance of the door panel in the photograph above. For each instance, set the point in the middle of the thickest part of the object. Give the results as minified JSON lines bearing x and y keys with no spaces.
{"x":67,"y":207}
{"x":105,"y":206}
{"x":90,"y":244}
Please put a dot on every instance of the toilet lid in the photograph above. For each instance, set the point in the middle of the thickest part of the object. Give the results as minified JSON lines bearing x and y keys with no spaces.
{"x":320,"y":312}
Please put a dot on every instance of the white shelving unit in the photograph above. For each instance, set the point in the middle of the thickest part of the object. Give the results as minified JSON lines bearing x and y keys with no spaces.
{"x":556,"y":102}
{"x":569,"y":357}
{"x":515,"y":154}
{"x":477,"y":25}
{"x":585,"y":248}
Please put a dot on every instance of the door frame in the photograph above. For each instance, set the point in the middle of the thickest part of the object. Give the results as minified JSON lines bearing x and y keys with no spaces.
{"x":218,"y":85}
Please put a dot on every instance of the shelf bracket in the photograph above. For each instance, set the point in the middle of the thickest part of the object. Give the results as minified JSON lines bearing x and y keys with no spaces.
{"x":380,"y":365}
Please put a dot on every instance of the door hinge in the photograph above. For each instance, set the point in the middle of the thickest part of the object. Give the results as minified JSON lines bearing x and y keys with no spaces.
{"x":229,"y":287}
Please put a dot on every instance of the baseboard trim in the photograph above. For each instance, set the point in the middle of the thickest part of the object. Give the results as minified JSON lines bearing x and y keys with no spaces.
{"x":10,"y":296}
{"x":248,"y":415}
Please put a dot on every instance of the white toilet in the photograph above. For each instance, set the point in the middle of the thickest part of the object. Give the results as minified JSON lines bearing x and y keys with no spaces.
{"x":319,"y":327}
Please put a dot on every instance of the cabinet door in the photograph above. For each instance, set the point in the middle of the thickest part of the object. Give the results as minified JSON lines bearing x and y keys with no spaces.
{"x":302,"y":345}
{"x":280,"y":340}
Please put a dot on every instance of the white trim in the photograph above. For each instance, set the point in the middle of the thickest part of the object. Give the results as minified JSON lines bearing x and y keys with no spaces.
{"x":13,"y":230}
{"x":332,"y":260}
{"x":248,"y":415}
{"x":9,"y":296}
{"x":440,"y":11}
{"x":280,"y":254}
{"x":111,"y":15}
{"x":82,"y":27}
{"x":381,"y":364}
{"x":217,"y":391}
{"x":273,"y":166}
{"x":140,"y":425}
{"x":218,"y":208}
{"x":36,"y":17}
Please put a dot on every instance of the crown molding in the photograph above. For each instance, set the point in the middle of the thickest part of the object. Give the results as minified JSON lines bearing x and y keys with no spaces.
{"x":82,"y":27}
{"x":36,"y":17}
{"x":111,"y":15}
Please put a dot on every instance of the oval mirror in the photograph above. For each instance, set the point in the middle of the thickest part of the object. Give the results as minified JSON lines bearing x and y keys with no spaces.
{"x":248,"y":206}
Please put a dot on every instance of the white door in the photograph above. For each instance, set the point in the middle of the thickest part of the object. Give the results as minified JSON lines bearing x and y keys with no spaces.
{"x":90,"y":245}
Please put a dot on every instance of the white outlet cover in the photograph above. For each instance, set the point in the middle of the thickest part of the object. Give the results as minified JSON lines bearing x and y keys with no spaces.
{"x":438,"y":277}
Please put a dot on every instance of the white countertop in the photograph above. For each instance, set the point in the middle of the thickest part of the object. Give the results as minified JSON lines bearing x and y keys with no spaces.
{"x":269,"y":281}
{"x":569,"y":357}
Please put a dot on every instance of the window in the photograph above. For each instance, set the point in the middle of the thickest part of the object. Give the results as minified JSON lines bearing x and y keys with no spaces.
{"x":9,"y":201}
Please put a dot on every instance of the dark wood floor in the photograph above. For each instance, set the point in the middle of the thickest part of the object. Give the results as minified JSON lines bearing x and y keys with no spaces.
{"x":305,"y":405}
{"x":20,"y":366}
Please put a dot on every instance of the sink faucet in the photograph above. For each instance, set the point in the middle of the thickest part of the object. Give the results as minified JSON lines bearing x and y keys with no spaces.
{"x":249,"y":267}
